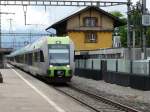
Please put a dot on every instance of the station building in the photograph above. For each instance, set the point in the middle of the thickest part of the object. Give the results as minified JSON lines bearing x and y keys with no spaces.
{"x":90,"y":28}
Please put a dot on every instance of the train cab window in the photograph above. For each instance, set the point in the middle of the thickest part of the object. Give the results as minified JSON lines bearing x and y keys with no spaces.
{"x":41,"y":56}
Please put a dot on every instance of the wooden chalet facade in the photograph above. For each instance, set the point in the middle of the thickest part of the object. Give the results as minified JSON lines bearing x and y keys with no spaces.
{"x":90,"y":28}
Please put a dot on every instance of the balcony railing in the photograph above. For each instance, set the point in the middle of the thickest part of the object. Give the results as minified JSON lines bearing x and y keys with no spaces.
{"x":95,"y":28}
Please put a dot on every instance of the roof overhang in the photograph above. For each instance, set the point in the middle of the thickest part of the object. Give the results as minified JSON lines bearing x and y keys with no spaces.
{"x":117,"y":21}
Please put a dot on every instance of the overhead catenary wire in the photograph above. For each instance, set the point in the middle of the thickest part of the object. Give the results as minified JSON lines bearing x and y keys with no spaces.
{"x":45,"y":8}
{"x":25,"y":14}
{"x":1,"y":21}
{"x":61,"y":3}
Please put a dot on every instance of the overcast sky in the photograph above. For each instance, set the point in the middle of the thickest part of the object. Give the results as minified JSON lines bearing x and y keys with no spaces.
{"x":43,"y":18}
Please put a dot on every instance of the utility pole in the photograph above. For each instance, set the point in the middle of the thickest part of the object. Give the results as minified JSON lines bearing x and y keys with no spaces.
{"x":25,"y":14}
{"x":0,"y":28}
{"x":1,"y":24}
{"x":11,"y":31}
{"x":133,"y":42}
{"x":144,"y":54}
{"x":128,"y":28}
{"x":10,"y":25}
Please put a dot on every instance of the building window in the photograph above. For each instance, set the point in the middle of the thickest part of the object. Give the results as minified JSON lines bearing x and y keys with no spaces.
{"x":91,"y":37}
{"x":90,"y":21}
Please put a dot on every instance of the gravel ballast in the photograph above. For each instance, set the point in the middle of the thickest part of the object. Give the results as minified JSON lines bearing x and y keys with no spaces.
{"x":126,"y":95}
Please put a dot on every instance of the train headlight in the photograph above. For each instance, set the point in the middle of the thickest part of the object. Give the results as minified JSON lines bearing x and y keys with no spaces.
{"x":68,"y":66}
{"x":51,"y":66}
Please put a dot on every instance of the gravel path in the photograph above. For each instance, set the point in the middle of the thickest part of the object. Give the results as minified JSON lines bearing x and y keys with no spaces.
{"x":126,"y":95}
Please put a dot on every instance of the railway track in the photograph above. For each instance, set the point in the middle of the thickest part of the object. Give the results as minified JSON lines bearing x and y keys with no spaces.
{"x":98,"y":104}
{"x":94,"y":102}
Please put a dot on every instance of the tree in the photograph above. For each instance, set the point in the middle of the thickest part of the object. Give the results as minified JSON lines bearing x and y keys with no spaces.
{"x":117,"y":14}
{"x":136,"y":23}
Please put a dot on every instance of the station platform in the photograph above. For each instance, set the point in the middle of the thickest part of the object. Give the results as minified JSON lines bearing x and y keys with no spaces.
{"x":21,"y":92}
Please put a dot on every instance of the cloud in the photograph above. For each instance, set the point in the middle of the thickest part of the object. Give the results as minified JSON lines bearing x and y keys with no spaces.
{"x":33,"y":16}
{"x":42,"y":18}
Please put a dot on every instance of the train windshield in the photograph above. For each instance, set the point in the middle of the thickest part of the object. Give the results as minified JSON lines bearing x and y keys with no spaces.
{"x":59,"y":56}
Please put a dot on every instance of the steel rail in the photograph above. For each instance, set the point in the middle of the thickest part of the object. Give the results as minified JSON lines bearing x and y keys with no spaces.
{"x":108,"y":101}
{"x":82,"y":102}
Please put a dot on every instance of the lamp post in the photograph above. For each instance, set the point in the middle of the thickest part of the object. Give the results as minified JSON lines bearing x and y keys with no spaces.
{"x":144,"y":31}
{"x":128,"y":28}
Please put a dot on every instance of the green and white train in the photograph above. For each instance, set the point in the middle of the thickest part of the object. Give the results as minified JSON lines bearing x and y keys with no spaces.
{"x":49,"y":57}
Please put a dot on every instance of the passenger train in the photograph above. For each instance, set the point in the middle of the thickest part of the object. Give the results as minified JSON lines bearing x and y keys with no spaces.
{"x":49,"y":57}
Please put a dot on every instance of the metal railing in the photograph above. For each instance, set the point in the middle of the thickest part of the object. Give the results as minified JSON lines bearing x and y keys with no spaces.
{"x":140,"y":67}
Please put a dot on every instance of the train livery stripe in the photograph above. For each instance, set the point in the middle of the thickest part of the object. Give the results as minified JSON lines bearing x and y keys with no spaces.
{"x":59,"y":109}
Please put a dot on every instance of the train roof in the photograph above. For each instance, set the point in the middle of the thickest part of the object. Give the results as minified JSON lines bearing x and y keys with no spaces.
{"x":54,"y":40}
{"x":38,"y":44}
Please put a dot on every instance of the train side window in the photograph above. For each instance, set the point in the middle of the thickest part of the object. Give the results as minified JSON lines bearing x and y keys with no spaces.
{"x":41,"y":56}
{"x":21,"y":58}
{"x":74,"y":56}
{"x":38,"y":56}
{"x":30,"y":59}
{"x":35,"y":56}
{"x":26,"y":58}
{"x":17,"y":59}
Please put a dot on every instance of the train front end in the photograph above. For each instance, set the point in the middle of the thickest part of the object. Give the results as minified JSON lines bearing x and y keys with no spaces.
{"x":61,"y":56}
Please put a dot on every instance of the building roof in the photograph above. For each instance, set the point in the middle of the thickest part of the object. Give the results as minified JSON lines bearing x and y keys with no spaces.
{"x":117,"y":21}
